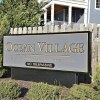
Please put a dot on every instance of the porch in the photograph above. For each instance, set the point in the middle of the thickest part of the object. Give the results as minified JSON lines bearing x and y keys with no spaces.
{"x":60,"y":14}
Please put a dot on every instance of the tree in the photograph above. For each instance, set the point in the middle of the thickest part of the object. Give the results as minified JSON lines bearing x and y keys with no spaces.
{"x":4,"y":24}
{"x":18,"y":13}
{"x":22,"y":13}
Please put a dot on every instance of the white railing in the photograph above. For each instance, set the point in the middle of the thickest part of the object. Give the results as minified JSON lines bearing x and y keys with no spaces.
{"x":98,"y":4}
{"x":57,"y":23}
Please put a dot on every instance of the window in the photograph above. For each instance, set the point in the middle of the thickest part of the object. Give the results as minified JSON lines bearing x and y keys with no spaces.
{"x":97,"y":3}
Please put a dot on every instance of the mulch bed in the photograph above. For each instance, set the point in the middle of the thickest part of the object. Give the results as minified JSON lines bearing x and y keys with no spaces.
{"x":25,"y":85}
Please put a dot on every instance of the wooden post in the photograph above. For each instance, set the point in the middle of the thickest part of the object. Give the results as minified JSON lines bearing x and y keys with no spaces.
{"x":25,"y":30}
{"x":15,"y":31}
{"x":94,"y":50}
{"x":20,"y":31}
{"x":34,"y":30}
{"x":40,"y":29}
{"x":29,"y":30}
{"x":45,"y":29}
{"x":11,"y":31}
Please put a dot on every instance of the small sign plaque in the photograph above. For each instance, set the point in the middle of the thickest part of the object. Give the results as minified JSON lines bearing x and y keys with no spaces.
{"x":65,"y":52}
{"x":39,"y":64}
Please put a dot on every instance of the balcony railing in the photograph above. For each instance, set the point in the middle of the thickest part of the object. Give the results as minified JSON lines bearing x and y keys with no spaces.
{"x":98,"y":4}
{"x":57,"y":23}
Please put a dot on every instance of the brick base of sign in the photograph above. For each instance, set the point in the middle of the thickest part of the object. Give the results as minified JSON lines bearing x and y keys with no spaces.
{"x":48,"y":76}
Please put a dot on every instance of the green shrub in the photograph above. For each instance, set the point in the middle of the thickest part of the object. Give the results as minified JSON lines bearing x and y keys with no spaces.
{"x":97,"y":96}
{"x":97,"y":78}
{"x":0,"y":60}
{"x":41,"y":91}
{"x":82,"y":92}
{"x":2,"y":72}
{"x":9,"y":89}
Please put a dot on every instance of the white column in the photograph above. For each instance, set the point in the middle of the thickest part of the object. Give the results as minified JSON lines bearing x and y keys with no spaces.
{"x":45,"y":17}
{"x":64,"y":15}
{"x":69,"y":14}
{"x":85,"y":16}
{"x":52,"y":13}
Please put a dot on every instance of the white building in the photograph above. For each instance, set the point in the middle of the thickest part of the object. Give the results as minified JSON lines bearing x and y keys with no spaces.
{"x":65,"y":11}
{"x":71,"y":11}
